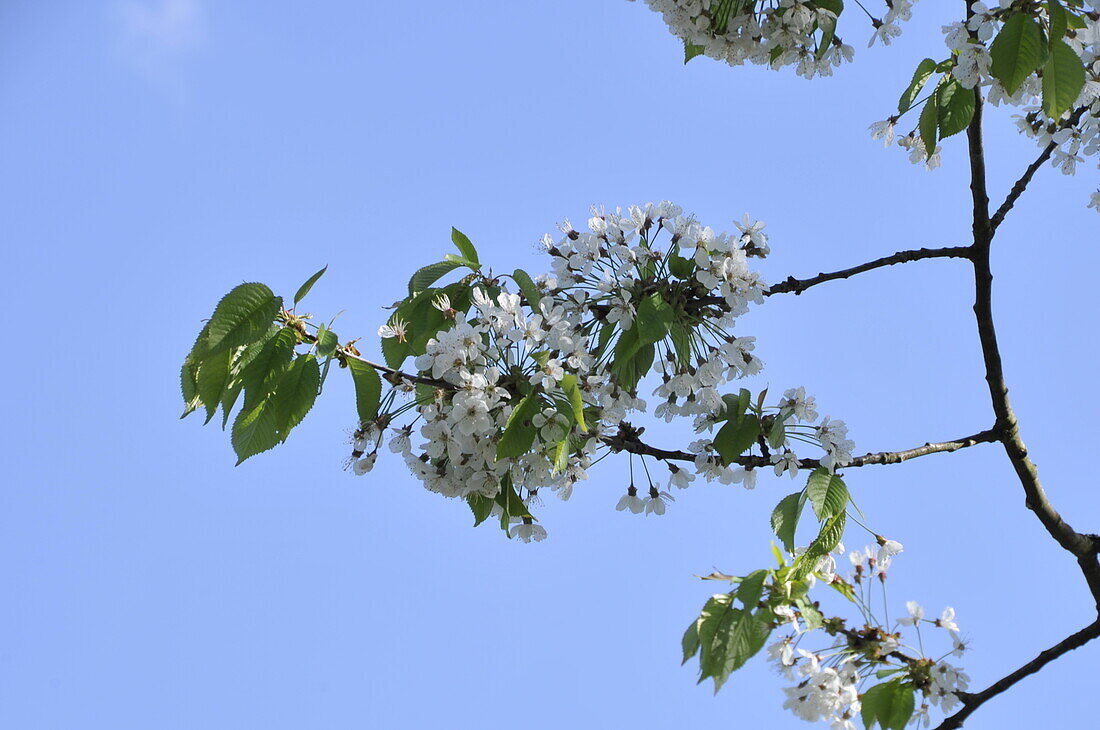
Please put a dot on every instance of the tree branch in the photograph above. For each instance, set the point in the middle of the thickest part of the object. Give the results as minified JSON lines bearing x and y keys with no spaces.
{"x":972,"y":702}
{"x":625,"y":440}
{"x":797,"y":286}
{"x":1021,"y":184}
{"x":1084,"y":547}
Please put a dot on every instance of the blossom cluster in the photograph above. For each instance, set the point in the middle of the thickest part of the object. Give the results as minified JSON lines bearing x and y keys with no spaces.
{"x":644,"y":289}
{"x":1076,"y":135}
{"x":774,"y":33}
{"x":829,"y":682}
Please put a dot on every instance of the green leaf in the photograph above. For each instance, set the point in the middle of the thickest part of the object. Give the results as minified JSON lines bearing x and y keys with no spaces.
{"x":576,"y":401}
{"x":826,"y":541}
{"x":430,"y":274}
{"x":812,"y":617}
{"x":714,"y":621}
{"x":785,"y":518}
{"x":751,"y":588}
{"x":462,"y":243}
{"x":777,"y":434}
{"x":691,"y":51}
{"x":255,"y":430}
{"x":736,"y":405}
{"x":327,"y":342}
{"x":928,"y":124}
{"x":261,"y":375}
{"x":681,"y":341}
{"x":828,"y":33}
{"x":368,"y":389}
{"x":212,"y":377}
{"x":1063,"y":79}
{"x":510,"y":504}
{"x":527,"y":288}
{"x":1058,"y":21}
{"x":734,"y":438}
{"x":690,"y":642}
{"x":729,"y":640}
{"x":561,"y":456}
{"x":519,"y":433}
{"x":955,"y":107}
{"x":834,"y":6}
{"x":827,"y":493}
{"x":720,"y":14}
{"x":844,"y":588}
{"x":394,"y":352}
{"x":229,"y":400}
{"x":890,"y":704}
{"x":481,"y":506}
{"x":189,"y":386}
{"x":294,"y":396}
{"x":1016,"y":52}
{"x":423,"y":322}
{"x":304,"y":288}
{"x":242,"y":316}
{"x":633,"y":358}
{"x":920,"y":77}
{"x":653,"y":318}
{"x":680,"y":267}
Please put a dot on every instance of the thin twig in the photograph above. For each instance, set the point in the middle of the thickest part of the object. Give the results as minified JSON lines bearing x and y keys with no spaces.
{"x":1021,"y":184}
{"x":625,"y":442}
{"x":797,"y":286}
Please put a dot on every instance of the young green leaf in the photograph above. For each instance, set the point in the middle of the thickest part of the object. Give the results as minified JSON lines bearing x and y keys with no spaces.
{"x":828,"y":34}
{"x":680,"y":267}
{"x":368,"y":389}
{"x":751,"y":588}
{"x":519,"y":432}
{"x":189,"y":386}
{"x":920,"y":77}
{"x":262,"y":373}
{"x":1058,"y":21}
{"x":829,"y":537}
{"x":738,"y":636}
{"x":527,"y":288}
{"x":928,"y":125}
{"x":785,"y":518}
{"x":653,"y":318}
{"x":955,"y":106}
{"x":481,"y":506}
{"x":777,"y":433}
{"x":229,"y":400}
{"x":1016,"y":52}
{"x":576,"y":401}
{"x":691,"y":51}
{"x":827,"y":493}
{"x":465,"y":247}
{"x":295,"y":394}
{"x":1063,"y":79}
{"x":430,"y":274}
{"x":890,"y":704}
{"x":735,"y":438}
{"x":255,"y":430}
{"x":681,"y":342}
{"x":211,"y":380}
{"x":304,"y":288}
{"x":242,"y":316}
{"x":690,"y":642}
{"x":327,"y":342}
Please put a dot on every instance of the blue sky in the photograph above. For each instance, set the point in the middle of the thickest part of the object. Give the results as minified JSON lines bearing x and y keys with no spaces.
{"x":155,"y":154}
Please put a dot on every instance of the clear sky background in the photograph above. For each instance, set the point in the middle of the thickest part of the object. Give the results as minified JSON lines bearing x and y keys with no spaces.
{"x":155,"y":154}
